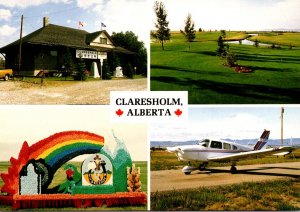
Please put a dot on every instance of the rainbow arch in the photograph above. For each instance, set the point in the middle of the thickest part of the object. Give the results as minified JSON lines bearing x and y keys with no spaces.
{"x":61,"y":147}
{"x":54,"y":151}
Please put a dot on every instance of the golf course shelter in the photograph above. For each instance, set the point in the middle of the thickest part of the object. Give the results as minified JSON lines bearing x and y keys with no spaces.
{"x":54,"y":48}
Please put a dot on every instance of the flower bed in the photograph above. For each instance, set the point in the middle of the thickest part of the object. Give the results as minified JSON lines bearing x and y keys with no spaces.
{"x":77,"y":200}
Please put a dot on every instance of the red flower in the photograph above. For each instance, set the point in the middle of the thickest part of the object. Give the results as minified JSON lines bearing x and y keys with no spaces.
{"x":69,"y":173}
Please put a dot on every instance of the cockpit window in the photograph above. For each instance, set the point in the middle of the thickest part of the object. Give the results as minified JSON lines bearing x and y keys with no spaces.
{"x":226,"y":146}
{"x":216,"y":144}
{"x":204,"y":143}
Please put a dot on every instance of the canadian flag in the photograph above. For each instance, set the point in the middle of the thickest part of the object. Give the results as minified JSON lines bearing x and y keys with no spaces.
{"x":81,"y":24}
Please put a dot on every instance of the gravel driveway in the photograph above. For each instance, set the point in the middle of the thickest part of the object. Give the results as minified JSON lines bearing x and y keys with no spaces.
{"x":66,"y":92}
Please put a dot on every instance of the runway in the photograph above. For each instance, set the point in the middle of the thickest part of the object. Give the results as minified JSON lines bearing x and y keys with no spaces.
{"x":175,"y":179}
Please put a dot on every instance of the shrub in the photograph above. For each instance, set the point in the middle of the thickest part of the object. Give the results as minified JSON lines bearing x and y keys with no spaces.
{"x":81,"y":73}
{"x":230,"y":59}
{"x":128,"y":71}
{"x":256,"y":43}
{"x":106,"y":73}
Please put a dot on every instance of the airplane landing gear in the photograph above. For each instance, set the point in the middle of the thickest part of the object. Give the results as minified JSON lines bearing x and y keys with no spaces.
{"x":188,"y":169}
{"x":233,"y":169}
{"x":202,"y":166}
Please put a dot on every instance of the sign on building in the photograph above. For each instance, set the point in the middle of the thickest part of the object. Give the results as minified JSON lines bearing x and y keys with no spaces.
{"x":85,"y":54}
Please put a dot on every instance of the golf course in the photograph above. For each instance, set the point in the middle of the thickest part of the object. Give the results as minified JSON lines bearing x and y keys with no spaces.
{"x":274,"y":66}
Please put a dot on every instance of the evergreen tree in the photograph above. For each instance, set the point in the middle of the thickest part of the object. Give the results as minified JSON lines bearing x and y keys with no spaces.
{"x":189,"y":31}
{"x":256,"y":43}
{"x":163,"y":32}
{"x":221,"y":51}
{"x":128,"y":70}
{"x":81,"y":70}
{"x":223,"y":33}
{"x":106,"y":73}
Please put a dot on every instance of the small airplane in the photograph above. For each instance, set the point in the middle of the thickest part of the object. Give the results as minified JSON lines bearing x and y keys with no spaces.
{"x":224,"y":151}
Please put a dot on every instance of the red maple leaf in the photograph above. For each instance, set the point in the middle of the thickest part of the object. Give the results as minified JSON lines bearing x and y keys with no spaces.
{"x":178,"y":112}
{"x":119,"y":112}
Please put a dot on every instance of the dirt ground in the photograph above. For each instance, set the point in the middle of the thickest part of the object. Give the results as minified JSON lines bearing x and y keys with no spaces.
{"x":66,"y":92}
{"x":175,"y":179}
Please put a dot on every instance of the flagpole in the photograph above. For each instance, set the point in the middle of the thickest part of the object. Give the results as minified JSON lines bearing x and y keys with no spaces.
{"x":282,"y":111}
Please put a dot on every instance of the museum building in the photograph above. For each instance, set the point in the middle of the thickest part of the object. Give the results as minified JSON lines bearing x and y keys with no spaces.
{"x":47,"y":48}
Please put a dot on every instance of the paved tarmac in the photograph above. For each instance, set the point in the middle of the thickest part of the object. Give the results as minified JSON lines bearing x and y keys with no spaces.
{"x":175,"y":179}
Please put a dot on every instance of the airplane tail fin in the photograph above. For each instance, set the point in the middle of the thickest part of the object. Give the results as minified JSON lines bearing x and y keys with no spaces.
{"x":261,"y":143}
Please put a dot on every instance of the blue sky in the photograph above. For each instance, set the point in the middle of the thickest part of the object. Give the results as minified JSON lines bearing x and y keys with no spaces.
{"x":233,"y":14}
{"x":239,"y":122}
{"x":117,"y":15}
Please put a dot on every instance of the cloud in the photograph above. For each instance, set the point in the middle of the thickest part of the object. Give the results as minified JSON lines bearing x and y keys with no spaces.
{"x":85,"y":4}
{"x":233,"y":14}
{"x":6,"y":30}
{"x":26,"y":3}
{"x":124,"y":15}
{"x":5,"y":14}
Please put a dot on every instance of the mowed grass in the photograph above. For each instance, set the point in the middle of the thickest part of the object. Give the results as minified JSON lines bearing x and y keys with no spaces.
{"x":271,"y":195}
{"x":285,"y":39}
{"x":275,"y":77}
{"x":60,"y":176}
{"x":162,"y":160}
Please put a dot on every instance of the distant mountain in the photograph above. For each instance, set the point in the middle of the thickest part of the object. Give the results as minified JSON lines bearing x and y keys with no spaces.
{"x":271,"y":142}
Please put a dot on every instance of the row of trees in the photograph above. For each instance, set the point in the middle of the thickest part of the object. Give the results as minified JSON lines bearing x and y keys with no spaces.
{"x":163,"y":32}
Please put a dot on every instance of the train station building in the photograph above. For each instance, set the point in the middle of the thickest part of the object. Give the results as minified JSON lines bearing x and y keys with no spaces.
{"x":52,"y":48}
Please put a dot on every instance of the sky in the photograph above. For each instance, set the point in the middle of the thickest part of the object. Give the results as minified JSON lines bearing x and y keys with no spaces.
{"x":34,"y":123}
{"x":239,"y":122}
{"x":233,"y":14}
{"x":117,"y":15}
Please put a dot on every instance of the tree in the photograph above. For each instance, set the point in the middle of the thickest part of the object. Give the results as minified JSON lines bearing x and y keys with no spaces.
{"x":230,"y":59}
{"x":256,"y":43}
{"x":81,"y":73}
{"x":129,"y":41}
{"x":223,"y":33}
{"x":189,"y":31}
{"x":221,"y":49}
{"x":106,"y":72}
{"x":163,"y":31}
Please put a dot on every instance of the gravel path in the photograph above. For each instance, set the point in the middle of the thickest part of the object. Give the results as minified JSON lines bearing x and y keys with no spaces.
{"x":66,"y":92}
{"x":175,"y":179}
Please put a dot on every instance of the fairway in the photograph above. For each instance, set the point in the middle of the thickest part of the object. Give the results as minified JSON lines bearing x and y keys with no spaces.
{"x":274,"y":80}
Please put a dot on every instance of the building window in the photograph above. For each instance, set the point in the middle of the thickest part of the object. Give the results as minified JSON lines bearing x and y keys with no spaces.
{"x":103,"y":40}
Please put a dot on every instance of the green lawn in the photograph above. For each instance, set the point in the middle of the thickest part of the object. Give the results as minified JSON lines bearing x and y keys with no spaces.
{"x":279,"y":195}
{"x":60,"y":176}
{"x":199,"y":71}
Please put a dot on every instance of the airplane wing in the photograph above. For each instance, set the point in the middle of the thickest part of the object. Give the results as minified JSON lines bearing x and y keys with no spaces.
{"x":252,"y":154}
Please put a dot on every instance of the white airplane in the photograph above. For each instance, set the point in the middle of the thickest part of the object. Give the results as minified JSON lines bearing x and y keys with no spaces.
{"x":224,"y":151}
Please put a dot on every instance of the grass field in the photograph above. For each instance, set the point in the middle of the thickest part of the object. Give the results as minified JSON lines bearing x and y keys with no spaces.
{"x":272,"y":195}
{"x":60,"y":177}
{"x":162,"y":160}
{"x":285,"y":39}
{"x":275,"y":77}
